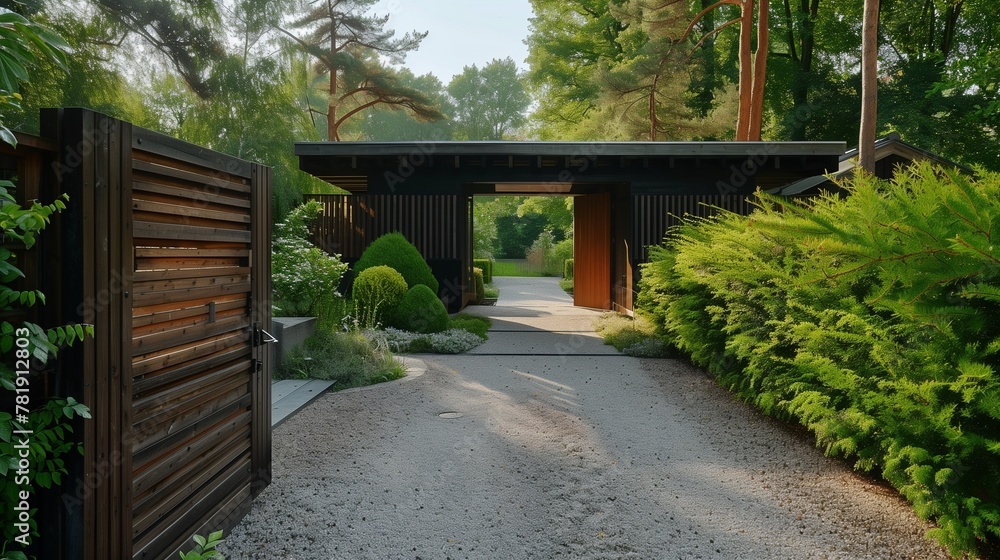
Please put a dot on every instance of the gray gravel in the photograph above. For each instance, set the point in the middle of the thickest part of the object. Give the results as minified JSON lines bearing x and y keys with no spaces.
{"x":565,"y":453}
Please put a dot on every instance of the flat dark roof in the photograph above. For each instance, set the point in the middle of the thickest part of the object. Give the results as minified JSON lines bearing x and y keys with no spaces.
{"x":569,"y":149}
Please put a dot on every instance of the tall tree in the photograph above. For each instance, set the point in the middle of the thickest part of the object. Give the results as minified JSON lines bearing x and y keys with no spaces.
{"x":349,"y":45}
{"x":386,"y":123}
{"x":185,"y":31}
{"x":567,"y":42}
{"x":651,"y":90}
{"x":490,"y":103}
{"x":869,"y":86}
{"x":752,"y":62}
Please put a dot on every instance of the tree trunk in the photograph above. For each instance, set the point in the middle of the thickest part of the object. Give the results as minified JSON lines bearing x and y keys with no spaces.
{"x":331,"y":110}
{"x":746,"y":72}
{"x":869,"y":86}
{"x":759,"y":72}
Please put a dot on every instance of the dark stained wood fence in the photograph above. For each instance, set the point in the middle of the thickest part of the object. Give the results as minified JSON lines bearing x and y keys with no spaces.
{"x":165,"y":248}
{"x":653,"y":215}
{"x":433,"y":223}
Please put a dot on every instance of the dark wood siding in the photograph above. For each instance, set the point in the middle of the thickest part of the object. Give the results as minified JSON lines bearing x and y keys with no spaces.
{"x":653,"y":215}
{"x":433,"y":223}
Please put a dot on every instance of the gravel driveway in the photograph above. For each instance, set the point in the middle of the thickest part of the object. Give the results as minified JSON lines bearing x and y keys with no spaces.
{"x":547,"y":444}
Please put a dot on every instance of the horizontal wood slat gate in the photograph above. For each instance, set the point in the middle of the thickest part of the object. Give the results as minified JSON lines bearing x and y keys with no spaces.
{"x":170,"y":244}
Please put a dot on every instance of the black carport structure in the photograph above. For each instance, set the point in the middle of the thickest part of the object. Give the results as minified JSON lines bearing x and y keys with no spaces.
{"x":627,"y":195}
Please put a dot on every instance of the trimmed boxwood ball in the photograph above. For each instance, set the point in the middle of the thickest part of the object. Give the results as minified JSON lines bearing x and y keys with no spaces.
{"x":377,"y":292}
{"x":421,"y":311}
{"x":393,"y":250}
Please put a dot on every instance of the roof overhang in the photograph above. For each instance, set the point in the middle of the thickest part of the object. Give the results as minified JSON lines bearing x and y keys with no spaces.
{"x":567,"y":149}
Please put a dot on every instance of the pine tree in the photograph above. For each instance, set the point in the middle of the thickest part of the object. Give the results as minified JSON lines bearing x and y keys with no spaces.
{"x":348,"y":44}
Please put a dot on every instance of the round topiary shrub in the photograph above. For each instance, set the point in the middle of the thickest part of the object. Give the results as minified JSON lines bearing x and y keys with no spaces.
{"x":393,"y":250}
{"x":377,"y":292}
{"x":421,"y":311}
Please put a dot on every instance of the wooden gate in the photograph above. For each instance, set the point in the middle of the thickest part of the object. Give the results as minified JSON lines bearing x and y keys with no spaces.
{"x":165,"y":248}
{"x":592,"y":251}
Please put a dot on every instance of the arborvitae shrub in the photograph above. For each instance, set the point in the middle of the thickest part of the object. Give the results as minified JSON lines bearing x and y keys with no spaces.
{"x":487,"y":266}
{"x":568,"y":269}
{"x":421,"y":311}
{"x":870,"y":319}
{"x":477,"y":274}
{"x":377,"y":292}
{"x":393,"y":250}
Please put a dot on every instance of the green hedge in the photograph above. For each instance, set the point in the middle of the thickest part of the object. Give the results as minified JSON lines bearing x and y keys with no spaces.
{"x":487,"y":267}
{"x":393,"y":250}
{"x":568,"y":269}
{"x":870,"y":319}
{"x":477,"y":275}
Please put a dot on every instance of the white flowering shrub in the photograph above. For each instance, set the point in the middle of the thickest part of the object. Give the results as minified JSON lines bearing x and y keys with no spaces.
{"x":451,"y":341}
{"x":302,"y":275}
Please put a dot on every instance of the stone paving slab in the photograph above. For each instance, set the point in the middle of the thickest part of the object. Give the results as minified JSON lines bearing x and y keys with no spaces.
{"x":290,"y":395}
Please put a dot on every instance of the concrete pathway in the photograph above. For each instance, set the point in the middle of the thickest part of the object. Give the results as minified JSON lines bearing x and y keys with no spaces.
{"x":529,"y":450}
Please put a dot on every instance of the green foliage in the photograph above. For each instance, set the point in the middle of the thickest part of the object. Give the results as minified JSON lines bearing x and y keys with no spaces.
{"x":349,"y":359}
{"x":352,"y":47}
{"x":205,"y":548}
{"x":477,"y":275}
{"x":568,"y":269}
{"x":869,"y":319}
{"x":491,"y":103}
{"x":632,"y":336}
{"x":49,"y":423}
{"x":470,"y":323}
{"x":387,"y":124}
{"x":486,"y":265}
{"x":567,"y":285}
{"x":492,"y":292}
{"x":303,"y":276}
{"x":377,"y":292}
{"x":22,"y":43}
{"x":451,"y":341}
{"x":518,"y":267}
{"x":394,"y":251}
{"x":421,"y":311}
{"x":515,"y":234}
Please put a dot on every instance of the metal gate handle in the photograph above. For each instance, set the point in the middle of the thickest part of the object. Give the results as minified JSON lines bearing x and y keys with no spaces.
{"x":269,"y":337}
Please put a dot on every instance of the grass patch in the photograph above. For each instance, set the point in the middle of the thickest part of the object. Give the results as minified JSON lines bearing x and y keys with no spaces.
{"x":491,"y":291}
{"x":514,"y":268}
{"x":349,"y":359}
{"x":567,"y":285}
{"x":471,"y":323}
{"x":632,"y":336}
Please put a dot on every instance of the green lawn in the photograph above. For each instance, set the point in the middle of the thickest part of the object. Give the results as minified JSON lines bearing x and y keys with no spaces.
{"x":511,"y":267}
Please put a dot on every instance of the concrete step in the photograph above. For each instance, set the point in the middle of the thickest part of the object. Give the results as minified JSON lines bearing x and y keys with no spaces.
{"x":290,"y":395}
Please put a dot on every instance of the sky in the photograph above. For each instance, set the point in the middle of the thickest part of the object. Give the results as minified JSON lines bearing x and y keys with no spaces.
{"x":462,"y":32}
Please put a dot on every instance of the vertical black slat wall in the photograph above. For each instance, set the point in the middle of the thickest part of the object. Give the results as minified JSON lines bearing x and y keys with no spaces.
{"x":350,"y":222}
{"x":653,"y":215}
